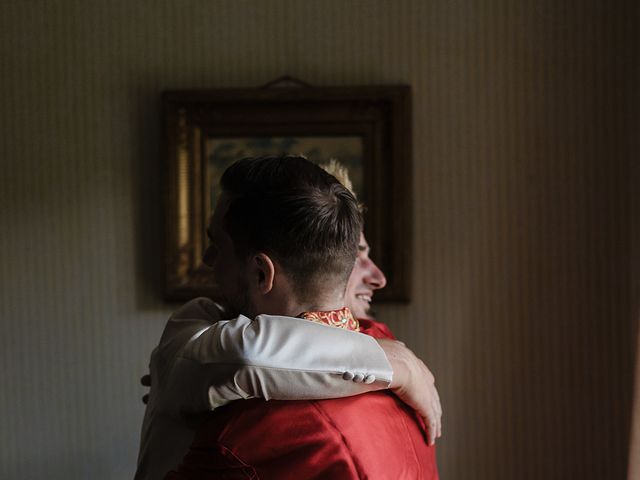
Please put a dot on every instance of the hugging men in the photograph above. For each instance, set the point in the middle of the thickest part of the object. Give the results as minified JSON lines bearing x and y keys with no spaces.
{"x":284,"y":238}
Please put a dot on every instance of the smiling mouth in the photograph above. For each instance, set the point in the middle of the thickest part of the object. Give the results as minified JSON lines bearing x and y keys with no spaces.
{"x":364,"y":297}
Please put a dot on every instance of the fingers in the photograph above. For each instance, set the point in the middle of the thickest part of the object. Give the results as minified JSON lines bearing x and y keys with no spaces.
{"x":438,"y":428}
{"x":433,"y":430}
{"x":433,"y":417}
{"x":439,"y":411}
{"x":432,"y":420}
{"x":414,"y":384}
{"x":437,"y":406}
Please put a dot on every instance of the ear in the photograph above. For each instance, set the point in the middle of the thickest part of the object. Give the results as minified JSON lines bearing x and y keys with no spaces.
{"x":263,"y":272}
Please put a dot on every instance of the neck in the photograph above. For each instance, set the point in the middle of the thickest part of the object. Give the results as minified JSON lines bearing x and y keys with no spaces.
{"x":324,"y":304}
{"x":320,"y":307}
{"x":327,"y":300}
{"x":288,"y":305}
{"x":283,"y":299}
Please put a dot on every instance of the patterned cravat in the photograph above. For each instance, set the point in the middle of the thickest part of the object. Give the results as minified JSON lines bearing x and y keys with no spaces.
{"x":342,"y":318}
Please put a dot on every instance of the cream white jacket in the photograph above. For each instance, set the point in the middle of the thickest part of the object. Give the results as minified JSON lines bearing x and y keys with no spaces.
{"x":203,"y":362}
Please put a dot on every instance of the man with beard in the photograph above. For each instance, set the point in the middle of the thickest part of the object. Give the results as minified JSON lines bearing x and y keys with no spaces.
{"x":283,"y":239}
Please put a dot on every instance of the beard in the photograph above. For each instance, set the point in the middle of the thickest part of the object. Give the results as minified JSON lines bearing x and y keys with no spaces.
{"x":236,"y":300}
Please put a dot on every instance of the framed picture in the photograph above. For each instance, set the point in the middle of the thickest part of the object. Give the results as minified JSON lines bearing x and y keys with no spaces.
{"x":368,"y":129}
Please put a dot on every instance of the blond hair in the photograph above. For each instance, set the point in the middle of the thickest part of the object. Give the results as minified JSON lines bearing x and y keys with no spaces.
{"x":338,"y":170}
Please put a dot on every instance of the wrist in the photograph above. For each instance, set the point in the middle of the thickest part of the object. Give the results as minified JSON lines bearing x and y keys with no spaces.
{"x":398,"y":361}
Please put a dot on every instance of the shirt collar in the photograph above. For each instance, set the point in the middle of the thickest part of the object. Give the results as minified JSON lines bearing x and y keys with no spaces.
{"x":342,"y":318}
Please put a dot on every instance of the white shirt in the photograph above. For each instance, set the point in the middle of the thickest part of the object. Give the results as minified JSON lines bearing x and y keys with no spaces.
{"x":203,"y":362}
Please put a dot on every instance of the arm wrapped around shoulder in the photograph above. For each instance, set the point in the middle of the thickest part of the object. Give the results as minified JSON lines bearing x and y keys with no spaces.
{"x":283,"y":358}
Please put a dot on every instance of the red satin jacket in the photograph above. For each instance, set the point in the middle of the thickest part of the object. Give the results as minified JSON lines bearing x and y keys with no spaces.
{"x":372,"y":436}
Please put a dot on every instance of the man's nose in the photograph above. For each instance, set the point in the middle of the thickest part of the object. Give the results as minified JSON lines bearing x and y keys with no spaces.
{"x":375,"y":278}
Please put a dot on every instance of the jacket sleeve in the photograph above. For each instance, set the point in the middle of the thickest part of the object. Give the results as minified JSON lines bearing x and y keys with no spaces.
{"x":210,"y":362}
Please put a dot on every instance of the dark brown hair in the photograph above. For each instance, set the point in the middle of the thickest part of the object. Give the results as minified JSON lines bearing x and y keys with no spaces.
{"x":294,"y":211}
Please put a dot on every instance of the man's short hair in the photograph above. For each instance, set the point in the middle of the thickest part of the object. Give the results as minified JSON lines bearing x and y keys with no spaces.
{"x":341,"y":173}
{"x":294,"y":211}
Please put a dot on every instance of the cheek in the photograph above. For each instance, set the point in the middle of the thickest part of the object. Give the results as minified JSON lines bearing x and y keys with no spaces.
{"x":356,"y":277}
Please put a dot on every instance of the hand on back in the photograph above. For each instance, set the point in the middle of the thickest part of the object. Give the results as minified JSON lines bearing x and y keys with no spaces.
{"x":414,"y":384}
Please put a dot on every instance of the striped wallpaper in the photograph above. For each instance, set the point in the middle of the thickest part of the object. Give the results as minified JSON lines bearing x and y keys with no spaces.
{"x":634,"y":179}
{"x":522,"y":212}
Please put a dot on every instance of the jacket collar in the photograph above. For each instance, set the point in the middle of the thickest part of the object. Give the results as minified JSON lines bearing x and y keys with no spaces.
{"x":342,"y":318}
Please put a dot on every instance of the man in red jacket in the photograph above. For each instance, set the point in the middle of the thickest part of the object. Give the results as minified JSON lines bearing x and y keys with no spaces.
{"x":284,"y":237}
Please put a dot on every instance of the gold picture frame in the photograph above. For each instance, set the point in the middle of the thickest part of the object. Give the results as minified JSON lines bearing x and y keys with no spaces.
{"x":366,"y":128}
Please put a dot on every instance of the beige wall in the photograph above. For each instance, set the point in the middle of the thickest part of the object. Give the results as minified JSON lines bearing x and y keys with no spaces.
{"x":522,"y":239}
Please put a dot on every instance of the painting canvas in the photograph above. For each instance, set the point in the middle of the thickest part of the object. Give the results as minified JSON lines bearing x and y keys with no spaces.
{"x":220,"y":153}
